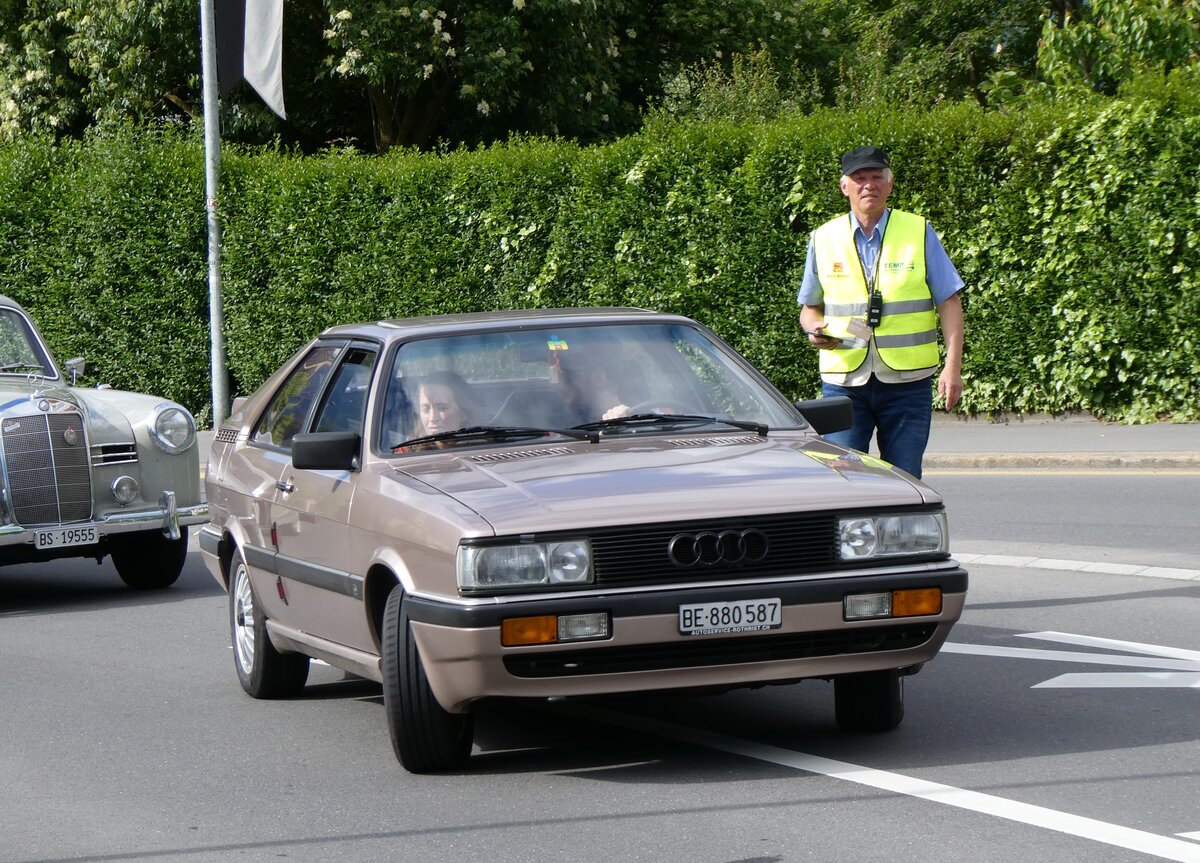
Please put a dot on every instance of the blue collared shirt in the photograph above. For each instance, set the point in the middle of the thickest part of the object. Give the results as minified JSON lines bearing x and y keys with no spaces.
{"x":943,"y":279}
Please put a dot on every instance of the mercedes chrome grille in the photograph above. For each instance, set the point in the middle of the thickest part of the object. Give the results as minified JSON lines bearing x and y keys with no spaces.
{"x":49,"y":481}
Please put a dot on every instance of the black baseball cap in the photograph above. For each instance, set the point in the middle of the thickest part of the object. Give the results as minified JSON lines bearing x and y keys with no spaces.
{"x":864,"y":157}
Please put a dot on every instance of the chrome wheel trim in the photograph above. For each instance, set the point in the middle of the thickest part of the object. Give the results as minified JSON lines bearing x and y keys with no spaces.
{"x":243,"y":620}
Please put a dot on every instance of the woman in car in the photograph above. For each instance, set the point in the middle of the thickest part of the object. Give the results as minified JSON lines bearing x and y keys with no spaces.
{"x":444,"y":403}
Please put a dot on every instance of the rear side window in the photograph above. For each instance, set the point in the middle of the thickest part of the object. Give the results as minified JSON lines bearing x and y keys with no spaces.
{"x":293,"y":402}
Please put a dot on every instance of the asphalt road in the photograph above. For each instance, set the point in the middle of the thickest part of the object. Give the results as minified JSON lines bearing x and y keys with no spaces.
{"x":1059,"y":724}
{"x":1147,"y":517}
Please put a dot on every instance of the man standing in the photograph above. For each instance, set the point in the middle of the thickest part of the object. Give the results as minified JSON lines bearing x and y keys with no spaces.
{"x":876,"y":284}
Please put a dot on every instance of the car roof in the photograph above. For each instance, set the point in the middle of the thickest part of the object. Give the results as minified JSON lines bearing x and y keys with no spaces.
{"x":482,"y":321}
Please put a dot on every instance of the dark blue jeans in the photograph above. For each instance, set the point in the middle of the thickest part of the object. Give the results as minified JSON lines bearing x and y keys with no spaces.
{"x":898,"y":415}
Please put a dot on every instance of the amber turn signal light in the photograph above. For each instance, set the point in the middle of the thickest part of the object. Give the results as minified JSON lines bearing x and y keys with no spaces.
{"x":918,"y":601}
{"x":517,"y":631}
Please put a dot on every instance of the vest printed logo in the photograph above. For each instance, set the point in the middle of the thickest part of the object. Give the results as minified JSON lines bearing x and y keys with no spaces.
{"x":837,"y":267}
{"x":896,"y":266}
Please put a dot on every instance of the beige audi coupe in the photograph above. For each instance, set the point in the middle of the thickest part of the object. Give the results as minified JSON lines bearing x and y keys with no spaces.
{"x":557,"y":503}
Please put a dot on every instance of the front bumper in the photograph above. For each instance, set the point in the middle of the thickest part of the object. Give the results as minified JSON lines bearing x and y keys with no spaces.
{"x":464,"y":660}
{"x":167,"y":517}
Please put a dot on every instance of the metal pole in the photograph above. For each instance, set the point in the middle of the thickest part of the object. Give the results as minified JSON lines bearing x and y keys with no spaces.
{"x":212,"y":176}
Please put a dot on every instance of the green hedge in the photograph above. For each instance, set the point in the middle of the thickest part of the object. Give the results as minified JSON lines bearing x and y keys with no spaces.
{"x":1075,"y":227}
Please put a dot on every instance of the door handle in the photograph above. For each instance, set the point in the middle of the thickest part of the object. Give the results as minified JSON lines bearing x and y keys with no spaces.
{"x":285,"y":486}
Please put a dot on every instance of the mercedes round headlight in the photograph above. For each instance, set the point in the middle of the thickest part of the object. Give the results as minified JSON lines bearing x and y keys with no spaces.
{"x":862,"y":537}
{"x":172,"y":429}
{"x":528,"y":564}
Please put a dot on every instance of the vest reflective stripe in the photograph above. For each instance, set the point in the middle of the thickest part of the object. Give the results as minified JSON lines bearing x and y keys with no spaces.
{"x":906,"y":341}
{"x":906,"y":337}
{"x":858,"y":310}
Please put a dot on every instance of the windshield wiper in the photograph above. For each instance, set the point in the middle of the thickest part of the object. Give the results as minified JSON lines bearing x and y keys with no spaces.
{"x":10,"y":366}
{"x":473,"y":433}
{"x":670,"y":419}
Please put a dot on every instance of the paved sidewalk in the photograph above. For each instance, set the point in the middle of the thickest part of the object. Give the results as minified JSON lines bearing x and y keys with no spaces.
{"x":1078,"y":441}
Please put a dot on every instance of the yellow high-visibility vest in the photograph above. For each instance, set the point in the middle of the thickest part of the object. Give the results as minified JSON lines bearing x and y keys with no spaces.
{"x":906,"y":337}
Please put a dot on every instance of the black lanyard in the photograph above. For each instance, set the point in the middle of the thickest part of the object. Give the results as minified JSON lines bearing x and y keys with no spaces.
{"x":875,"y":298}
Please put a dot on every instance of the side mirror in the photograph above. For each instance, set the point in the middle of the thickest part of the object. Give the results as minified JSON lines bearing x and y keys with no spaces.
{"x":827,"y":415}
{"x":326,"y":450}
{"x":75,"y":367}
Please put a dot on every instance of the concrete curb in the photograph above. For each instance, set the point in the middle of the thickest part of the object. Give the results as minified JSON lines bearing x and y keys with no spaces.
{"x":1143,"y":460}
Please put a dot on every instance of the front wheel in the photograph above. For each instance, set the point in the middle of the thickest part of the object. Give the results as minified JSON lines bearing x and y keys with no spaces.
{"x":425,"y":737}
{"x":262,"y":670}
{"x":869,"y":701}
{"x":147,"y":560}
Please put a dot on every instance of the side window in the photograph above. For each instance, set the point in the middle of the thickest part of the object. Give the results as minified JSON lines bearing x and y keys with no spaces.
{"x":286,"y":415}
{"x":346,"y":402}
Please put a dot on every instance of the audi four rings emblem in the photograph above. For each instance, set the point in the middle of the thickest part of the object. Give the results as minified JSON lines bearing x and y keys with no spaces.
{"x":711,"y":547}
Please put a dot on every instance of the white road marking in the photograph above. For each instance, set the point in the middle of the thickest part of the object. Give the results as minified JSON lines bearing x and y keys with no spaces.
{"x":1032,"y":562}
{"x":1115,"y":644}
{"x":1067,"y":656}
{"x":1195,"y":835}
{"x":1181,"y":668}
{"x":1144,"y":842}
{"x":1124,"y":680}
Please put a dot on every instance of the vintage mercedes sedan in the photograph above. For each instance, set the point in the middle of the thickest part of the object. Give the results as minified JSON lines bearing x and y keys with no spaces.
{"x":91,"y":472}
{"x":557,"y":503}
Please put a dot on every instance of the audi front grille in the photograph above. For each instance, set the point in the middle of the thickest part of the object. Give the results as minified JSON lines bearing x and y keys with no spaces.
{"x":46,"y":459}
{"x":696,"y":551}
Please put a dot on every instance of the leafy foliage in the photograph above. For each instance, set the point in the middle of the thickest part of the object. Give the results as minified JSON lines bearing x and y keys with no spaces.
{"x":1067,"y":220}
{"x":377,"y":75}
{"x":1109,"y":42}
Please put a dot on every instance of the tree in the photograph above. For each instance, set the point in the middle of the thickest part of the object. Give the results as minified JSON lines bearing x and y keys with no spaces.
{"x":910,"y":54}
{"x":479,"y":69}
{"x":1106,"y":43}
{"x":377,"y":75}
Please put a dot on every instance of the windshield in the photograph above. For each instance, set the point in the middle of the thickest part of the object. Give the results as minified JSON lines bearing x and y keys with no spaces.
{"x":20,"y":350}
{"x":560,"y":378}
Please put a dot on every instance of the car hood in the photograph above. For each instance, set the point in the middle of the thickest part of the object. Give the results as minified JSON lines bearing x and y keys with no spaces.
{"x":108,"y":411}
{"x":652,"y":479}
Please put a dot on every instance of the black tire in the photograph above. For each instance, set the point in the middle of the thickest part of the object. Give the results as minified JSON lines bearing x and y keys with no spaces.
{"x":147,"y":560}
{"x":869,"y":701}
{"x":262,"y":670}
{"x":425,"y":737}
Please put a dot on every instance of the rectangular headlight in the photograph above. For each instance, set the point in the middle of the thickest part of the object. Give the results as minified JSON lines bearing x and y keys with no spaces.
{"x":527,"y":564}
{"x":867,"y":536}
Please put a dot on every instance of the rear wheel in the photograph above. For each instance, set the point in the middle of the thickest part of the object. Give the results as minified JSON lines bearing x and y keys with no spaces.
{"x":869,"y":701}
{"x":263,"y":671}
{"x":426,"y":738}
{"x":147,"y":560}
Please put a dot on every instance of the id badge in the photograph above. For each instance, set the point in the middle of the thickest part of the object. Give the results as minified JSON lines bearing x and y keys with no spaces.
{"x":859,"y":329}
